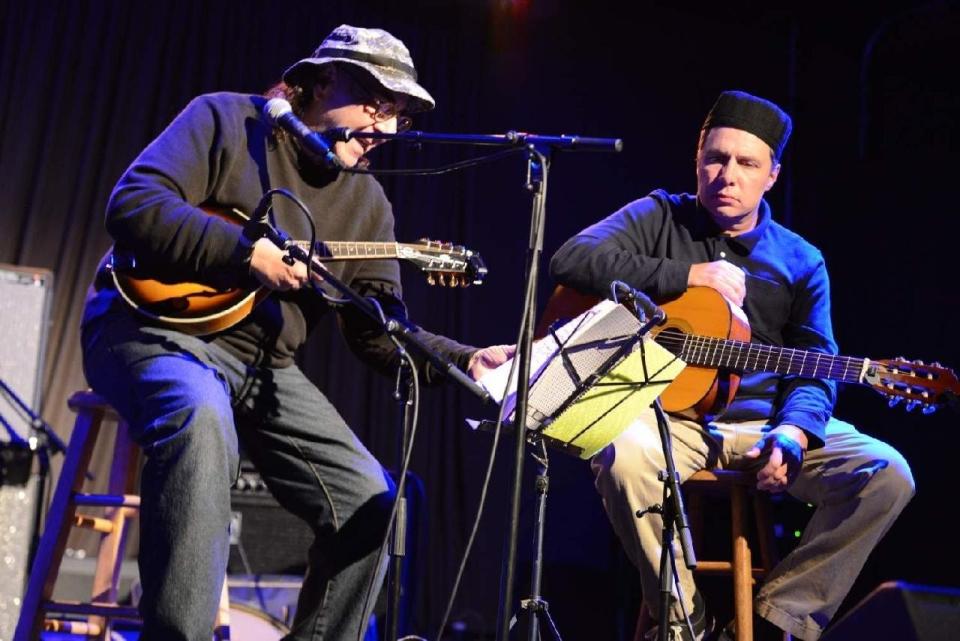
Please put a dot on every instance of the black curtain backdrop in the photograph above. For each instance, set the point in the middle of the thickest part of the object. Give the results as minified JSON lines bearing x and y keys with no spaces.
{"x":869,"y":177}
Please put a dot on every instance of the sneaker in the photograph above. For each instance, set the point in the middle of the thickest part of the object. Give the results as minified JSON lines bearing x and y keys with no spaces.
{"x":677,"y":632}
{"x":703,"y":625}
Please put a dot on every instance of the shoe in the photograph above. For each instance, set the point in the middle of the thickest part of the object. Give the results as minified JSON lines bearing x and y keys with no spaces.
{"x":677,"y":632}
{"x":763,"y":630}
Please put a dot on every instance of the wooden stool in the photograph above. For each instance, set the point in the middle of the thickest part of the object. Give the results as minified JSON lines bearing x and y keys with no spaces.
{"x":737,"y":486}
{"x":122,"y":504}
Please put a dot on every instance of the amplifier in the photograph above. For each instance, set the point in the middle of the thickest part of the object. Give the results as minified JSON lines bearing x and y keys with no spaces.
{"x":25,"y":298}
{"x":264,"y":538}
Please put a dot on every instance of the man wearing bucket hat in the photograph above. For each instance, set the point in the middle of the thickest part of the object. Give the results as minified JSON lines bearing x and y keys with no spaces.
{"x":192,"y":401}
{"x":724,"y":237}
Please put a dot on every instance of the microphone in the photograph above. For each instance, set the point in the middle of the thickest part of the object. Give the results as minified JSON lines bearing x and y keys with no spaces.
{"x":642,"y":303}
{"x":279,"y":113}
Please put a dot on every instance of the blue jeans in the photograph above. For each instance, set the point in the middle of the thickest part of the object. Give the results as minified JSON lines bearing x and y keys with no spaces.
{"x":189,"y":404}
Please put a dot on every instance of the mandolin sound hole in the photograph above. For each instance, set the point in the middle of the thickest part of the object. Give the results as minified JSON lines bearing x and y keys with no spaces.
{"x":170,"y":306}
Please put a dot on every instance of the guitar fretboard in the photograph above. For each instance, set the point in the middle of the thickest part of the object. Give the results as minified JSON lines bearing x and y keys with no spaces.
{"x":353,"y":250}
{"x":753,"y":357}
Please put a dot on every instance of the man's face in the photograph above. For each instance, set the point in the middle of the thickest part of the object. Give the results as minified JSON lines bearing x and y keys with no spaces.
{"x":355,"y":101}
{"x":734,"y":170}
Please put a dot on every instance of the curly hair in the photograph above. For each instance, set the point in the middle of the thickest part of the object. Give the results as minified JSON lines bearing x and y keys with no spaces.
{"x":300,"y":94}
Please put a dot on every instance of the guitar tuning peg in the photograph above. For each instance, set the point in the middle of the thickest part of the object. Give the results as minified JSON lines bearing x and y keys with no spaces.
{"x":459,"y":249}
{"x":911,"y":404}
{"x":442,"y":279}
{"x":893,"y":401}
{"x":431,"y":280}
{"x":928,"y":408}
{"x":917,"y":362}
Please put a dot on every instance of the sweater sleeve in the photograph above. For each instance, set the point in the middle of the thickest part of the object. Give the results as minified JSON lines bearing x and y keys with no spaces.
{"x":152,"y":213}
{"x":621,"y":247}
{"x":381,"y":280}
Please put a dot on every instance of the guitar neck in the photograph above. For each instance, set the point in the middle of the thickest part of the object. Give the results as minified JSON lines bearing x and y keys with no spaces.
{"x":336,"y":250}
{"x":754,"y":357}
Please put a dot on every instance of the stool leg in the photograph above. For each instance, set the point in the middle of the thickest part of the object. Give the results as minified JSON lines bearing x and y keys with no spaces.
{"x":221,"y":628}
{"x":742,"y":565}
{"x":106,"y":579}
{"x":764,"y":522}
{"x":46,"y":564}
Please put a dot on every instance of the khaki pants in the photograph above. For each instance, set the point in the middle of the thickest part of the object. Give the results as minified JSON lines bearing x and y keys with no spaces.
{"x":858,"y":484}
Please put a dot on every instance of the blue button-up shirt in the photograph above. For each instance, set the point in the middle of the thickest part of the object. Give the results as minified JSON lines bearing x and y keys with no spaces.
{"x":651,"y":243}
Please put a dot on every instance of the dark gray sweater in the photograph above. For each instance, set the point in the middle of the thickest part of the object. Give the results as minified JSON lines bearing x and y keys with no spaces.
{"x":220,"y":153}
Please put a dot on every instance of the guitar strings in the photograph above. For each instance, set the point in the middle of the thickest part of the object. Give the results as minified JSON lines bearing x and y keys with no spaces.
{"x":729,"y":353}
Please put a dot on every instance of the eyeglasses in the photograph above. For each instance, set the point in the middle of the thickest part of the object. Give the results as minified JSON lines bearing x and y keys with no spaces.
{"x":385,"y":110}
{"x":382,"y":109}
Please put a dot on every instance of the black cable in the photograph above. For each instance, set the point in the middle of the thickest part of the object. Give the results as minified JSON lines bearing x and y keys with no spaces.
{"x":405,"y":465}
{"x":268,"y":211}
{"x":483,"y":497}
{"x":437,"y":171}
{"x":519,"y":423}
{"x":415,"y":387}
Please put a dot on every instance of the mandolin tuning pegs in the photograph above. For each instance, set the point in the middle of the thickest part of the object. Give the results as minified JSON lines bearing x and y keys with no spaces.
{"x":928,"y":408}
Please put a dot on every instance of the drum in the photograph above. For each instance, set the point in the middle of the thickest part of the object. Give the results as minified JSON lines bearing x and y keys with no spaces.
{"x":250,"y":624}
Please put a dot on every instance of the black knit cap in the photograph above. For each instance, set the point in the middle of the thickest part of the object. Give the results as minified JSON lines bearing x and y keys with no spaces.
{"x":760,"y":117}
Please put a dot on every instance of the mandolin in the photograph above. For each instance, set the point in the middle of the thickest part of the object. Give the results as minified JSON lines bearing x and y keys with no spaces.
{"x":712,"y":336}
{"x":199,"y":309}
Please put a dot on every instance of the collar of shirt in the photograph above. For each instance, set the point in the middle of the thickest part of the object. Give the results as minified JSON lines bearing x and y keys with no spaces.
{"x":745,"y":241}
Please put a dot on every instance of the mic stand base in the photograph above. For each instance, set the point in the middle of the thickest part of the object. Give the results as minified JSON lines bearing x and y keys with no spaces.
{"x":535,"y":604}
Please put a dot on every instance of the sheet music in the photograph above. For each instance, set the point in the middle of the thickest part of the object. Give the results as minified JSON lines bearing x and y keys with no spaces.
{"x":542,"y":352}
{"x":584,"y":395}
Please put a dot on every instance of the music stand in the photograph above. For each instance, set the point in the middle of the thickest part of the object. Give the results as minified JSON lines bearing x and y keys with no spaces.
{"x":589,"y":380}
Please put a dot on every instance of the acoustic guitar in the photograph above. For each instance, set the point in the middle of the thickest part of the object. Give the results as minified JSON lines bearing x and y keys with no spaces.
{"x":712,"y":336}
{"x":199,"y":309}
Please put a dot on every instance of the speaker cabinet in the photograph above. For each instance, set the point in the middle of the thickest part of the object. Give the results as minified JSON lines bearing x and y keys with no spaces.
{"x":897,"y":610}
{"x":25,"y":297}
{"x":264,"y":538}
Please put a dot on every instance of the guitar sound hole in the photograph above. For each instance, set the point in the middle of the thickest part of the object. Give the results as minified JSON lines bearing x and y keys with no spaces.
{"x":671,"y":339}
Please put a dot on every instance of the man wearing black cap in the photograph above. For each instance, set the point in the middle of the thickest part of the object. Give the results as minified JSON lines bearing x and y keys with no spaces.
{"x":192,"y":400}
{"x":778,"y":426}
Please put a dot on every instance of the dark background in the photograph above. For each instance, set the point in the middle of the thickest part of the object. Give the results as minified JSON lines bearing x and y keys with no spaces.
{"x":870,"y":177}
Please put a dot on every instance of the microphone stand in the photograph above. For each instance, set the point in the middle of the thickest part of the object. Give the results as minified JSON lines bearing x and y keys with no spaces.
{"x":538,"y":149}
{"x":398,"y":548}
{"x":404,"y":336}
{"x":671,"y":508}
{"x":674,"y":516}
{"x":43,"y":441}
